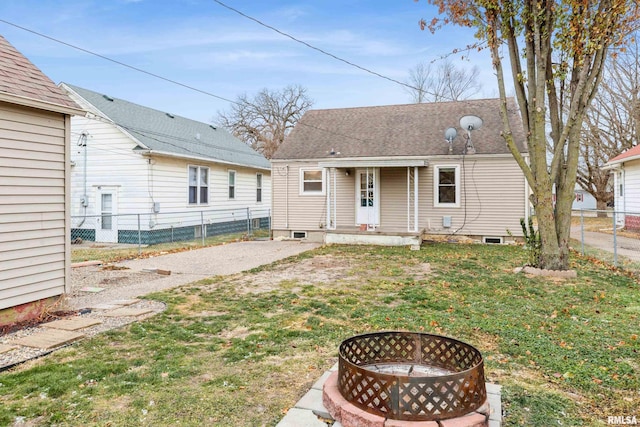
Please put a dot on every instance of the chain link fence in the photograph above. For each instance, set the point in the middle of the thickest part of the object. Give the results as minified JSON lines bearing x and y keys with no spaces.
{"x":611,"y":236}
{"x":145,"y":229}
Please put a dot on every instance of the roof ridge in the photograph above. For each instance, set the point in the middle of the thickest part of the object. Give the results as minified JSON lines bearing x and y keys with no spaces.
{"x":461,"y":101}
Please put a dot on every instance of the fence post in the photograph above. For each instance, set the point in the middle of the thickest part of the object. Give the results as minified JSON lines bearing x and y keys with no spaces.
{"x":269,"y":222}
{"x":582,"y":230}
{"x":139,"y":237}
{"x":248,"y":224}
{"x":202,"y":229}
{"x":615,"y":243}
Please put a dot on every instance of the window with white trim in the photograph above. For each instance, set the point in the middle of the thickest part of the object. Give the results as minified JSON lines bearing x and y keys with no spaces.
{"x":446,"y":191}
{"x":232,"y":185}
{"x":258,"y":187}
{"x":311,"y":181}
{"x":198,"y":185}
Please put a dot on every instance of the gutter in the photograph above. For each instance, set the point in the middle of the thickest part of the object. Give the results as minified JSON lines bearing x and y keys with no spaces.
{"x":150,"y":153}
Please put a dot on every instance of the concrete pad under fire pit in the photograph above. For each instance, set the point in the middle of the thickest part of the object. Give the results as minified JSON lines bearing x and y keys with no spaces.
{"x":72,"y":324}
{"x":125,"y":301}
{"x":127,"y":312}
{"x":50,"y":338}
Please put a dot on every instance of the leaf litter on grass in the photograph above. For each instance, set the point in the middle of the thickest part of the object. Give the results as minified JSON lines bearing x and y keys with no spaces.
{"x":241,"y":349}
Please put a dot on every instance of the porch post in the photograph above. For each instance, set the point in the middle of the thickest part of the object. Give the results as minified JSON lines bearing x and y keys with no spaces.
{"x":408,"y":198}
{"x":412,"y":198}
{"x":334,"y":225}
{"x":327,"y":172}
{"x":415,"y":198}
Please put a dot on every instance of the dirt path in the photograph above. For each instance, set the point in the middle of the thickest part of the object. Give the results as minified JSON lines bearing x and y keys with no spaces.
{"x":130,"y":279}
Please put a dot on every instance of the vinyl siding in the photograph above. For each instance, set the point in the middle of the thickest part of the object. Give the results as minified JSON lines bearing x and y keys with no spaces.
{"x":304,"y":212}
{"x":631,"y":187}
{"x":34,"y":225}
{"x":139,"y":181}
{"x":393,"y":198}
{"x":492,"y":198}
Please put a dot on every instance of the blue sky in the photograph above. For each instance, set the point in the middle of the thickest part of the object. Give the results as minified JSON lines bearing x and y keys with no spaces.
{"x":204,"y":45}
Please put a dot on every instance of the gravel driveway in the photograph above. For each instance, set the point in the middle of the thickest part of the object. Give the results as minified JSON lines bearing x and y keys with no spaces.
{"x":130,"y":279}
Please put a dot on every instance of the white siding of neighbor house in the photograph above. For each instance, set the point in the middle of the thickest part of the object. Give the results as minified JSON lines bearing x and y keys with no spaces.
{"x":140,"y":182}
{"x":492,"y":205}
{"x":34,"y":225}
{"x":630,"y":200}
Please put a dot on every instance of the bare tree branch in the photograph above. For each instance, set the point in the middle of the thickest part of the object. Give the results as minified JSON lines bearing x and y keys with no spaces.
{"x":265,"y":120}
{"x":446,"y":82}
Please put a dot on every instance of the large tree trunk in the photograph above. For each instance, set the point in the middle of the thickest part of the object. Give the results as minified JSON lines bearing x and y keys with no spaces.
{"x":601,"y":206}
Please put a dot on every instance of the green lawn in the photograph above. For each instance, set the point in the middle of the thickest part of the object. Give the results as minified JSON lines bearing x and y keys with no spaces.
{"x":241,"y":350}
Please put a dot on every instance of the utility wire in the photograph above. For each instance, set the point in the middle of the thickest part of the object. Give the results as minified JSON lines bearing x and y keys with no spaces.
{"x":324,"y":52}
{"x":140,"y":70}
{"x":116,"y":61}
{"x":159,"y":77}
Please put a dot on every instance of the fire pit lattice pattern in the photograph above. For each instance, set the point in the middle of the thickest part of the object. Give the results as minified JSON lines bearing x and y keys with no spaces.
{"x":411,"y":376}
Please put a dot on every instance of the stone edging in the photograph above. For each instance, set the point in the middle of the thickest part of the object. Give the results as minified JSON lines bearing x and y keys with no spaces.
{"x":564,"y":274}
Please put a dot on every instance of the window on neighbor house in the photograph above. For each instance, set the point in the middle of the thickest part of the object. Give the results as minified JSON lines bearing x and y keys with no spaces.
{"x":620,"y":185}
{"x":259,"y":187}
{"x":232,"y":185}
{"x":311,"y":181}
{"x":198,"y":185}
{"x":447,"y":183}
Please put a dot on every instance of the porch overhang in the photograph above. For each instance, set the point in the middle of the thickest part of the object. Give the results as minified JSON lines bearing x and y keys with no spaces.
{"x":372,"y":163}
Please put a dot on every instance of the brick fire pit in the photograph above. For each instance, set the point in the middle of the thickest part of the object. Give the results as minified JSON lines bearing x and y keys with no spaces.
{"x":407,"y":377}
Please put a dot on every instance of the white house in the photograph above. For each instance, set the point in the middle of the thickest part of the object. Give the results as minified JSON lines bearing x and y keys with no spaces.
{"x":143,"y":175}
{"x":34,"y":188}
{"x":626,"y":180}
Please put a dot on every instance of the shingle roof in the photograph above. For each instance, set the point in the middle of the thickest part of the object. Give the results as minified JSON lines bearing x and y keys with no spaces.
{"x":168,"y":133}
{"x":19,"y":77}
{"x":399,"y":131}
{"x":633,"y":152}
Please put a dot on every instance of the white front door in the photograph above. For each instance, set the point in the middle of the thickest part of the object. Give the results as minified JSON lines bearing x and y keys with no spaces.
{"x":368,"y":197}
{"x":106,"y":221}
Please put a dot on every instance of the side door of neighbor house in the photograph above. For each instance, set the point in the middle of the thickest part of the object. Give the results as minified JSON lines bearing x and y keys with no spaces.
{"x":107,"y":211}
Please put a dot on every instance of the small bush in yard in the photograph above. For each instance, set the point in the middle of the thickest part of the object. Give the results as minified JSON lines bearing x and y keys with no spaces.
{"x":532,"y":240}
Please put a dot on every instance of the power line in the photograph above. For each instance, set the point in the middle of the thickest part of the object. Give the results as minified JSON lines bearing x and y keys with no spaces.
{"x":116,"y":61}
{"x":140,"y":70}
{"x":155,"y":75}
{"x":324,"y":52}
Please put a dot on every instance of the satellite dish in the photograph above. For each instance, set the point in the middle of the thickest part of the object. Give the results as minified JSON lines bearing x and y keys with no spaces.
{"x":470,"y":123}
{"x":450,"y":134}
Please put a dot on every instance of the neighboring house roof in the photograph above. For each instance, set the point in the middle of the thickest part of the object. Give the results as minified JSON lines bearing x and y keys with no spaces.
{"x":399,"y":131}
{"x":630,"y":154}
{"x":165,"y":133}
{"x":23,"y":83}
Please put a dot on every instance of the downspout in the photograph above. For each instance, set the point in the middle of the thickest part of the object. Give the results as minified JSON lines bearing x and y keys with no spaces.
{"x":286,"y":198}
{"x":82,"y":142}
{"x":153,"y":218}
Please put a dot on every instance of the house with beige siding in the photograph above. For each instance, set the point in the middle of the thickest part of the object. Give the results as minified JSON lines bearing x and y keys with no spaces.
{"x":625,"y":168}
{"x":389,"y":175}
{"x":35,"y":130}
{"x":140,"y":175}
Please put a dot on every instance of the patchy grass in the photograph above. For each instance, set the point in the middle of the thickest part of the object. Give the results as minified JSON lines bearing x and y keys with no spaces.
{"x":241,"y":350}
{"x":107,"y":253}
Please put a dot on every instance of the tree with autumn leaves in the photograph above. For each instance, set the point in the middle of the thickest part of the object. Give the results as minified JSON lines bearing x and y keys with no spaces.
{"x":556,"y":51}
